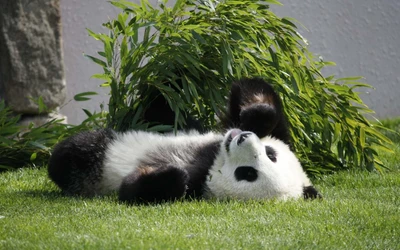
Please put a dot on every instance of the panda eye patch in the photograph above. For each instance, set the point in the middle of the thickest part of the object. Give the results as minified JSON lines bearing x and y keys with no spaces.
{"x":271,"y":153}
{"x":245,"y":173}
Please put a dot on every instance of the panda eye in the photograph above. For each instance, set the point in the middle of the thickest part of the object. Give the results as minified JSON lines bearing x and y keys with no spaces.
{"x":271,"y":153}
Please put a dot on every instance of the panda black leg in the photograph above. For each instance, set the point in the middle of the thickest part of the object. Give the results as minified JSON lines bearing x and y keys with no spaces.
{"x":258,"y":118}
{"x":255,"y":106}
{"x":154,"y":184}
{"x":76,"y":163}
{"x":311,"y":193}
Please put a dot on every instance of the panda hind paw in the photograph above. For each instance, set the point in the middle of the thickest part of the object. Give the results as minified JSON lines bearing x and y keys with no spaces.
{"x":310,"y":193}
{"x":154,"y":185}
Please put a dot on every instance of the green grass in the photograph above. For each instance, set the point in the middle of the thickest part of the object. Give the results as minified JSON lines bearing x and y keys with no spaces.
{"x":394,"y":126}
{"x":360,"y":210}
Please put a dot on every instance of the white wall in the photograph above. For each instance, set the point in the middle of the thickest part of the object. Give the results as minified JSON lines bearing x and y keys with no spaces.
{"x":361,"y":36}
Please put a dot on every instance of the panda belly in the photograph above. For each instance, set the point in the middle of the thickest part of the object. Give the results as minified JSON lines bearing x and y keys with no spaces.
{"x":142,"y":152}
{"x":123,"y":156}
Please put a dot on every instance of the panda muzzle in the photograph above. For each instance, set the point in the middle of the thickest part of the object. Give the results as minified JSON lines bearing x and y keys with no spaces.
{"x":242,"y":137}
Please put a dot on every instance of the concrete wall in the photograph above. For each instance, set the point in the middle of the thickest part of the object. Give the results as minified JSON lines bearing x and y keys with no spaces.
{"x":76,"y":16}
{"x":361,"y":36}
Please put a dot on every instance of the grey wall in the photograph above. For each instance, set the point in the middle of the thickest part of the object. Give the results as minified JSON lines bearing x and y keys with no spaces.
{"x":76,"y":16}
{"x":361,"y":36}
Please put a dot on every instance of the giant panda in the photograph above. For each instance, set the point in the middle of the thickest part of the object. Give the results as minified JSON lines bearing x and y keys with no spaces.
{"x":145,"y":167}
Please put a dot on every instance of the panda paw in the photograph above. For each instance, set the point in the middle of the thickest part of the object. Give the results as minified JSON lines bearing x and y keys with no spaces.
{"x":154,"y":185}
{"x":310,"y":193}
{"x":255,"y":106}
{"x":258,"y":118}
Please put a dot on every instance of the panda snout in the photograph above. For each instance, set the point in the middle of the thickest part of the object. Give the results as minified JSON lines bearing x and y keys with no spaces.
{"x":236,"y":137}
{"x":242,"y":137}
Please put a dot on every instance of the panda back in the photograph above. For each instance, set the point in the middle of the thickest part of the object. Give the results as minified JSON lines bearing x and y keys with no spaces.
{"x":76,"y":164}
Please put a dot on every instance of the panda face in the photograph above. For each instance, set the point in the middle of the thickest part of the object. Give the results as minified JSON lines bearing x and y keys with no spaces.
{"x":245,"y":148}
{"x":252,"y":168}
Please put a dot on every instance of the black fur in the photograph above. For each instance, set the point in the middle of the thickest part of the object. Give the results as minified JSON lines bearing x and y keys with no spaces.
{"x":78,"y":161}
{"x":164,"y":183}
{"x":262,"y":115}
{"x":311,"y":193}
{"x":246,"y":173}
{"x":271,"y":153}
{"x":159,"y":112}
{"x":199,"y":167}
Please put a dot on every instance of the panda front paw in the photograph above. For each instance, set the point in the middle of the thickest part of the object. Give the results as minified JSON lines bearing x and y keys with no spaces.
{"x":259,"y":118}
{"x":154,"y":185}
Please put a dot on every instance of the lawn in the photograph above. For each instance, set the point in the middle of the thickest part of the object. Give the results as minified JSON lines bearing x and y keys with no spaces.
{"x":360,"y":210}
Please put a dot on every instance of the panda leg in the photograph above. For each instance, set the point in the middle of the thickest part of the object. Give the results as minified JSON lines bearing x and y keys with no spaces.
{"x":154,"y":184}
{"x":255,"y":106}
{"x":311,"y":193}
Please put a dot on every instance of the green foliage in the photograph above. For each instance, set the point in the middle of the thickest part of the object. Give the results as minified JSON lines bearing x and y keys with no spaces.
{"x":392,"y":129}
{"x":190,"y":53}
{"x":30,"y":146}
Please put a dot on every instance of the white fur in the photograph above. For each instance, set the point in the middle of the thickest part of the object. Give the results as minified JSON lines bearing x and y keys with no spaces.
{"x":283,"y":179}
{"x":123,"y":155}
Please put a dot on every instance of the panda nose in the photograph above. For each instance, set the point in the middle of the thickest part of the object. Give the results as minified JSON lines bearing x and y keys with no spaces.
{"x":242,"y":137}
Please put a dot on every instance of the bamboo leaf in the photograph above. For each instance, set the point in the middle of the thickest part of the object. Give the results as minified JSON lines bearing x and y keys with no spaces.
{"x":84,"y":96}
{"x":97,"y":61}
{"x":42,"y":106}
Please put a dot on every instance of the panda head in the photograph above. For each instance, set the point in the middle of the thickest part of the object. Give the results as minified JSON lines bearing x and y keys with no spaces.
{"x":248,"y":167}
